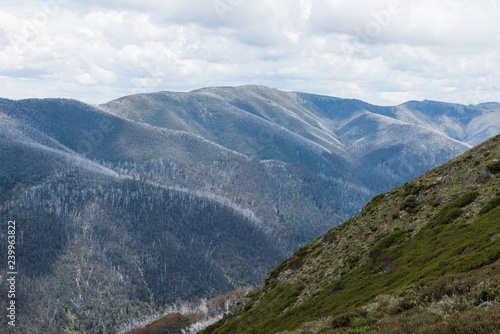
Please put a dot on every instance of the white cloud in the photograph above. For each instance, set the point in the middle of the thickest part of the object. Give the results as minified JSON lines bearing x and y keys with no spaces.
{"x":383,"y":51}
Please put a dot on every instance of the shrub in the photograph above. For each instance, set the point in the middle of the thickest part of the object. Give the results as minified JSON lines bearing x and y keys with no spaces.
{"x":445,"y":216}
{"x":452,"y":210}
{"x":435,"y":203}
{"x":347,"y":319}
{"x":404,"y":305}
{"x":329,"y":238}
{"x":410,"y":205}
{"x":295,"y":263}
{"x":374,"y":255}
{"x":474,"y":321}
{"x":394,"y":238}
{"x":413,"y":189}
{"x":464,"y":200}
{"x":488,"y":295}
{"x":490,"y":205}
{"x":413,"y":321}
{"x":375,"y":201}
{"x":435,"y":288}
{"x":493,"y":167}
{"x":390,"y":263}
{"x":337,"y":286}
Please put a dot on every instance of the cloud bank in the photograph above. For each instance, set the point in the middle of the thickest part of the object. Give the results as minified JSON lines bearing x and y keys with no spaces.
{"x":382,"y":51}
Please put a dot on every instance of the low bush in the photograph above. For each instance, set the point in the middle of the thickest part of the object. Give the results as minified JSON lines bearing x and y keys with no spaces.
{"x":495,"y":202}
{"x":488,"y":294}
{"x":404,"y":305}
{"x":493,"y":167}
{"x":452,"y":210}
{"x":394,"y":238}
{"x":410,"y":205}
{"x":413,"y":189}
{"x":445,"y":216}
{"x":473,"y":321}
{"x":347,"y":319}
{"x":414,"y":321}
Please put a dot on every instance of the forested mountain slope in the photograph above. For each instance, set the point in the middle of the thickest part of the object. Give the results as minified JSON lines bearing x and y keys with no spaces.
{"x":97,"y":250}
{"x":285,"y":196}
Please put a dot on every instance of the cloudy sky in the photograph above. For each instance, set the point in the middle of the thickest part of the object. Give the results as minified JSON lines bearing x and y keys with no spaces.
{"x":382,"y":51}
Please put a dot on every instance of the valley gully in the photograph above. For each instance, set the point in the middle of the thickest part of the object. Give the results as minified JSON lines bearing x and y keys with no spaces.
{"x":11,"y":273}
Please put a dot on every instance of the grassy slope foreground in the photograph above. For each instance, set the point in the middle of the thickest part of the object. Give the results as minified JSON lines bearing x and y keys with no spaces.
{"x":423,"y":257}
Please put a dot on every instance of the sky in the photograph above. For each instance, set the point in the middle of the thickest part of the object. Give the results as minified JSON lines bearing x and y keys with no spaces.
{"x":385,"y":52}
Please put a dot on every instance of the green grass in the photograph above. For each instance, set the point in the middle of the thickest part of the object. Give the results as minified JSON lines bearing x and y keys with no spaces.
{"x":450,"y":249}
{"x":434,"y":251}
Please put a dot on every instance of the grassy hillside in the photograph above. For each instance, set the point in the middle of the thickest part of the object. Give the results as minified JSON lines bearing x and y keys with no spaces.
{"x":423,"y":257}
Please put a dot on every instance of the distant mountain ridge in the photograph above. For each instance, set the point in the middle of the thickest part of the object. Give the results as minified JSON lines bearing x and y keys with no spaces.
{"x":275,"y":168}
{"x":275,"y":125}
{"x":317,"y":118}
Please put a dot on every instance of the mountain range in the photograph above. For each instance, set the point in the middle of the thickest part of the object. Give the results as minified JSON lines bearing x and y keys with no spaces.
{"x":160,"y":196}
